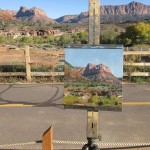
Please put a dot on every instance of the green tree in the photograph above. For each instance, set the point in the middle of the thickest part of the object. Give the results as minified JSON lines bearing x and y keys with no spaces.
{"x":38,"y":40}
{"x":136,"y":34}
{"x":80,"y":38}
{"x":26,"y":40}
{"x":109,"y":37}
{"x":64,"y":40}
{"x":83,"y":36}
{"x":50,"y":39}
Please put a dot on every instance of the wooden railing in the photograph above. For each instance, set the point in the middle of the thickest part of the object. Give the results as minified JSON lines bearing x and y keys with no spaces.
{"x":23,"y":58}
{"x":143,"y":64}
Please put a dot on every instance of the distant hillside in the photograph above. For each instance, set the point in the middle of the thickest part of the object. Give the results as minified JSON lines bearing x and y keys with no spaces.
{"x":133,"y":11}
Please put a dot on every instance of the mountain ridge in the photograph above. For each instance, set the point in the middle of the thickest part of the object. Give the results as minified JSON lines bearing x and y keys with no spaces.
{"x":118,"y":13}
{"x":134,"y":11}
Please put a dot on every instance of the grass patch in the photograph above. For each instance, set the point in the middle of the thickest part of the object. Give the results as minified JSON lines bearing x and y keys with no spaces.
{"x":12,"y":80}
{"x":11,"y":68}
{"x":137,"y":79}
{"x":40,"y":69}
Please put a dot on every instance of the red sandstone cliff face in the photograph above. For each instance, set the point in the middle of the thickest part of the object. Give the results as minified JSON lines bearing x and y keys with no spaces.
{"x":33,"y":14}
{"x":130,"y":12}
{"x":133,"y":8}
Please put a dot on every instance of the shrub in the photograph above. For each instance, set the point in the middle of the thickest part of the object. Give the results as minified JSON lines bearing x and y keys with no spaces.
{"x":70,"y":100}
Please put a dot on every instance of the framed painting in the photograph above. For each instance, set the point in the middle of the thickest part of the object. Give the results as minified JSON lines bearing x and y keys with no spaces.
{"x":93,"y":78}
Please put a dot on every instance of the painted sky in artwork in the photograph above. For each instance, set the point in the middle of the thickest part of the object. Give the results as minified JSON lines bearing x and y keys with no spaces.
{"x":113,"y":58}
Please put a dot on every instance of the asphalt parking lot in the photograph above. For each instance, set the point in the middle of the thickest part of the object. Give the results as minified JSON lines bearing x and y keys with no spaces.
{"x":26,"y":124}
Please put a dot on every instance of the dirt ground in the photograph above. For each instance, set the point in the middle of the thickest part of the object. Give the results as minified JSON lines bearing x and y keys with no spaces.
{"x":48,"y":57}
{"x":41,"y":60}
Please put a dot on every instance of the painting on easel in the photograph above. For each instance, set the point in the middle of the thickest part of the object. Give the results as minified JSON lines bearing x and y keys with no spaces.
{"x":93,"y":78}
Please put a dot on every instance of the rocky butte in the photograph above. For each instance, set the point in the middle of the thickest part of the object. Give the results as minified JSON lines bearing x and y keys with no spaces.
{"x":99,"y":72}
{"x":33,"y":14}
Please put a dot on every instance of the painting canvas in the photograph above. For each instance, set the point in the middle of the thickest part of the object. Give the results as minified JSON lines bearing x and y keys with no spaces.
{"x":93,"y":78}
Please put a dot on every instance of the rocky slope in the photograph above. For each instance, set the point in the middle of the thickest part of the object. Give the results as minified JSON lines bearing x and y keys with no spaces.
{"x":98,"y":73}
{"x":7,"y":15}
{"x":72,"y":74}
{"x":33,"y":14}
{"x":67,"y":18}
{"x":121,"y":13}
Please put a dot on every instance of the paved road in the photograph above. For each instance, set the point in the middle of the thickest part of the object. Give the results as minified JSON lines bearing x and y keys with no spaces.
{"x":38,"y":95}
{"x":26,"y":124}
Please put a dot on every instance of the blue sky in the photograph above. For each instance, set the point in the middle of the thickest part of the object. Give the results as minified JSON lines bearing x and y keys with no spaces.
{"x":57,"y":8}
{"x":113,"y":58}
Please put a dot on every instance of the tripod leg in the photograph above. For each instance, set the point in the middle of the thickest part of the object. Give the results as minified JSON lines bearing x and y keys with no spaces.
{"x":90,"y":145}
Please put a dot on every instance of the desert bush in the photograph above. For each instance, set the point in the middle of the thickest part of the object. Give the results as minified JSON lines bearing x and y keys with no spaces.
{"x":110,"y":37}
{"x":94,"y":99}
{"x":64,"y":40}
{"x":26,"y":40}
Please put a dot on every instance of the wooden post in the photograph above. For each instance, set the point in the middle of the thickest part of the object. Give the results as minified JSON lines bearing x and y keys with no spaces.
{"x":28,"y":67}
{"x":94,"y":22}
{"x":92,"y":124}
{"x":47,"y":139}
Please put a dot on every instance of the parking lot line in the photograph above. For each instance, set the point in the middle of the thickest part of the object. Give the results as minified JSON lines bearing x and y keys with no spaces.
{"x":136,"y":103}
{"x":124,"y":104}
{"x":15,"y":105}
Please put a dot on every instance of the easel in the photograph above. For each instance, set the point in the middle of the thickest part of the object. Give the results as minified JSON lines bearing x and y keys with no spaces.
{"x":94,"y":40}
{"x":92,"y":130}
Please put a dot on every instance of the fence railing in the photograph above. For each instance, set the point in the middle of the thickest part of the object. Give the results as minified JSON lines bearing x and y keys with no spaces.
{"x":140,"y":64}
{"x":24,"y":58}
{"x":137,"y":49}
